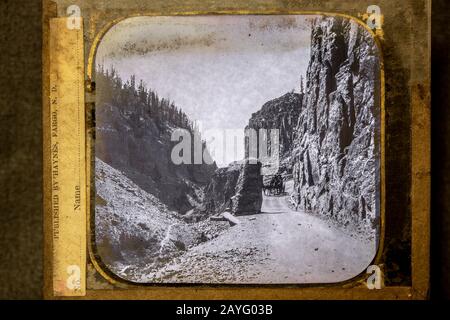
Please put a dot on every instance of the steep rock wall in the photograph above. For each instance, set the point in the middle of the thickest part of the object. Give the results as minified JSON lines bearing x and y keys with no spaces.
{"x":221,"y":189}
{"x":282,"y":114}
{"x":336,"y":149}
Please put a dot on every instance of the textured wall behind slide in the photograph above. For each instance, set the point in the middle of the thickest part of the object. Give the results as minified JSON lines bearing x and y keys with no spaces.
{"x":20,"y":150}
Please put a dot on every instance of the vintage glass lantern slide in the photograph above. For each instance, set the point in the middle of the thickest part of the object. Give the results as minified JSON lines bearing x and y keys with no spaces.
{"x":237,"y":149}
{"x":227,"y":150}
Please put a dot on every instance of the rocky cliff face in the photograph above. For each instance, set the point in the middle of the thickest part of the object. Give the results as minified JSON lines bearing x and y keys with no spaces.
{"x":237,"y":188}
{"x":336,"y":149}
{"x":282,"y":114}
{"x":221,"y":189}
{"x":134,"y":144}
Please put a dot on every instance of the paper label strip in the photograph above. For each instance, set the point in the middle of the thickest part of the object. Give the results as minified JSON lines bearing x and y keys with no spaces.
{"x":68,"y":202}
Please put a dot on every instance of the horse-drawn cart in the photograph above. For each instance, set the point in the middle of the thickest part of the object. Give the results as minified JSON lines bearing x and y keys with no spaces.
{"x":273,"y":185}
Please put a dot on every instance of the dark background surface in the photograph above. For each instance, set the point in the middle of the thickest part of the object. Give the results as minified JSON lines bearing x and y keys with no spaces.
{"x":20,"y":150}
{"x":21,"y":274}
{"x":440,"y":213}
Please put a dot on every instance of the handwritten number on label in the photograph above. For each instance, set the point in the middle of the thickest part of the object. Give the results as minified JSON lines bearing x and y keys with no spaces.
{"x":74,"y":21}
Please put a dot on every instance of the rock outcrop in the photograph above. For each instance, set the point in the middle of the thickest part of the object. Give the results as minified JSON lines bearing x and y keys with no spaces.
{"x":237,"y":188}
{"x":248,"y":196}
{"x":282,"y":114}
{"x":337,"y":145}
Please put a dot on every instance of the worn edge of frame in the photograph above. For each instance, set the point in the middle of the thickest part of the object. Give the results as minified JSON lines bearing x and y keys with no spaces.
{"x":421,"y":166}
{"x":49,"y":11}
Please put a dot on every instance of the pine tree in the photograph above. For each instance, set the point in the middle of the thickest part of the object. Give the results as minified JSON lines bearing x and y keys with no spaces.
{"x":136,"y":101}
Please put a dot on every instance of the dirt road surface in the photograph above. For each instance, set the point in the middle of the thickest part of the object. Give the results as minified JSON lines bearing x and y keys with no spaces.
{"x":277,"y":246}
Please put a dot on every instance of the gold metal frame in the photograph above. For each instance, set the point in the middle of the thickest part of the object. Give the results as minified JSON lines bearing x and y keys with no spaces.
{"x":354,"y":288}
{"x":359,"y":279}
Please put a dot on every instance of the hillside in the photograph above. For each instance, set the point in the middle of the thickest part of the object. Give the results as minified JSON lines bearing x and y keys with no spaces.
{"x":133,"y":135}
{"x":133,"y":229}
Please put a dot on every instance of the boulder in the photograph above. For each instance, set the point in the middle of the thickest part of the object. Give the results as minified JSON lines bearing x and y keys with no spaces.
{"x":248,"y":194}
{"x":230,"y":218}
{"x":236,"y":188}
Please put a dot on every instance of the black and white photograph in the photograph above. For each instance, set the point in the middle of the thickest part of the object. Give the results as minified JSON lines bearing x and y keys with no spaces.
{"x":238,"y":149}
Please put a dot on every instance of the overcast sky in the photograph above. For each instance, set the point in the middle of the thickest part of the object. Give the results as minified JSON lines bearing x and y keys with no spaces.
{"x":218,"y":69}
